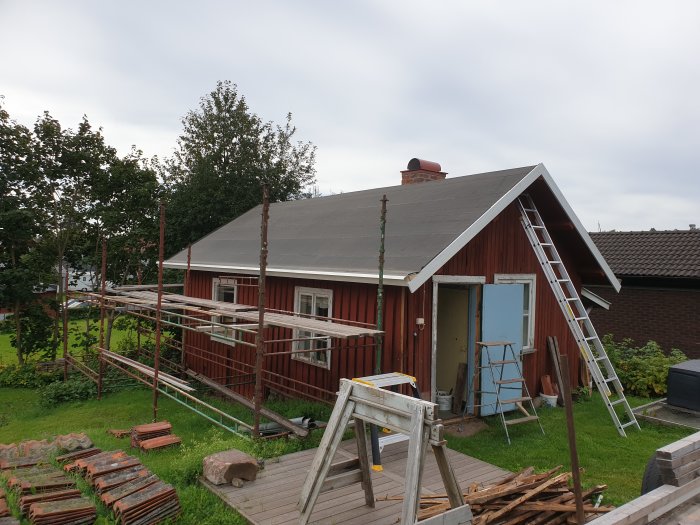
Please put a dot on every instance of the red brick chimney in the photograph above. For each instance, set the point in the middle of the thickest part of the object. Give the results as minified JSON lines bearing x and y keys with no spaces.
{"x":419,"y":170}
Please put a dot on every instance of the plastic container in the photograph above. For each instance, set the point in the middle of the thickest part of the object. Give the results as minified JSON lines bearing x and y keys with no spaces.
{"x":550,"y":401}
{"x":444,"y":401}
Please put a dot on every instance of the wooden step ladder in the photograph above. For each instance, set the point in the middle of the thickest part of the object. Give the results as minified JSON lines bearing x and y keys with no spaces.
{"x":590,"y":345}
{"x":368,"y":404}
{"x":509,"y":390}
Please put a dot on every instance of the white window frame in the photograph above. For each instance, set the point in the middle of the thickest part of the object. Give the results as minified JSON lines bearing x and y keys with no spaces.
{"x":308,"y":357}
{"x":216,"y":283}
{"x":523,"y":278}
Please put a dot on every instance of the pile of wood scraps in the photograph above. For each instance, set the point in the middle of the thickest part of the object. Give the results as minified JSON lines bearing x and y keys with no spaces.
{"x":525,"y":497}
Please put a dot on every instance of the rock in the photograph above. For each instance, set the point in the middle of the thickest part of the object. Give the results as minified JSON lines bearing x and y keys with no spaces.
{"x":222,"y":467}
{"x":237,"y":482}
{"x":73,"y":442}
{"x":10,"y":451}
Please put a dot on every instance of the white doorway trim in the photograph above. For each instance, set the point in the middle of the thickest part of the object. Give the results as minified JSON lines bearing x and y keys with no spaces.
{"x":437,"y":280}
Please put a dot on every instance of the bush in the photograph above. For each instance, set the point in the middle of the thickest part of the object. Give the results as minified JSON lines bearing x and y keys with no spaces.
{"x":26,"y":376}
{"x":643,"y":370}
{"x":64,"y":391}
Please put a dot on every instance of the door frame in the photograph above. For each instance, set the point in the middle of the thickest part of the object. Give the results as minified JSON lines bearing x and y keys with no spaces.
{"x":437,"y":280}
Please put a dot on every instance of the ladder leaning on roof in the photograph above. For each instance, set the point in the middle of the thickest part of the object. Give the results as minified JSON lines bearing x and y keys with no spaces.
{"x":580,"y":324}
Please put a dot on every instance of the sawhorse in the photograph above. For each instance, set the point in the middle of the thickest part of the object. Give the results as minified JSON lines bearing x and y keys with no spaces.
{"x":406,"y":415}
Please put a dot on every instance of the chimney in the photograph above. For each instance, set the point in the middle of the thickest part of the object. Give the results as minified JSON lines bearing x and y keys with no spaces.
{"x":419,"y":170}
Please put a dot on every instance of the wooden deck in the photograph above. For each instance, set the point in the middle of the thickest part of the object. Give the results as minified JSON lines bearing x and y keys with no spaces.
{"x":272,"y":498}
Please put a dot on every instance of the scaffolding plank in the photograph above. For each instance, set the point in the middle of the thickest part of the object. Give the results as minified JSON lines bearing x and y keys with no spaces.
{"x":317,"y":326}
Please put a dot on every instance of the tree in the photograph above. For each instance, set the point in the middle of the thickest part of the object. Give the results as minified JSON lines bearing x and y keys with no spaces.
{"x":24,"y":265}
{"x":223,"y":157}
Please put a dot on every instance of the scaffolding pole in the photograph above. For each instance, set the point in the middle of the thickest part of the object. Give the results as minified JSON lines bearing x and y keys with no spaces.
{"x":103,"y":288}
{"x":259,"y":336}
{"x":65,"y":326}
{"x":156,"y":360}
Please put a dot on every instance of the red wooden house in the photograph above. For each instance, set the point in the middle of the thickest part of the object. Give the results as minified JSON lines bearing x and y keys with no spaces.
{"x":452,"y":245}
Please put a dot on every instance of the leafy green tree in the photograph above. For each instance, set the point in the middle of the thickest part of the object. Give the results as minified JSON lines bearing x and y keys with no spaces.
{"x":223,"y":156}
{"x":24,"y":268}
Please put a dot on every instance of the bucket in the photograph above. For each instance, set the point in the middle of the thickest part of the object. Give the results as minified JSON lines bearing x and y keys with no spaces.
{"x":550,"y":401}
{"x":444,"y":401}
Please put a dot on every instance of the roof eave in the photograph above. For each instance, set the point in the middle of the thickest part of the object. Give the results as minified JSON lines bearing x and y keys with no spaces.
{"x":353,"y":277}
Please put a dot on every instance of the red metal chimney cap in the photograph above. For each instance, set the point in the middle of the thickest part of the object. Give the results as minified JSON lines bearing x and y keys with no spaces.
{"x":420,"y":164}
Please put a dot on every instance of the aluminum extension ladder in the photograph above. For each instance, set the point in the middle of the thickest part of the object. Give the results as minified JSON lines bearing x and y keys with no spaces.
{"x":592,"y":350}
{"x":513,"y":389}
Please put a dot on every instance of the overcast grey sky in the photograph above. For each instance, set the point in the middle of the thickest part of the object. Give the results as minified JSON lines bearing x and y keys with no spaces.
{"x":605,"y":94}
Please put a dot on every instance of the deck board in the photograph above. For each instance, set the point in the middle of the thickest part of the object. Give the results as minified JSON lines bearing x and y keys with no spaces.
{"x":272,"y":498}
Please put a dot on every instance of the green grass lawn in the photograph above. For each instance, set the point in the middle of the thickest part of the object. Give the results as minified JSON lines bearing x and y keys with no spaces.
{"x":606,"y":457}
{"x":21,"y":418}
{"x":8,"y":354}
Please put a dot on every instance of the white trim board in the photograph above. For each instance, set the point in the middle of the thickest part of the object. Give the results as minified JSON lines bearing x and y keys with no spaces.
{"x":501,"y":204}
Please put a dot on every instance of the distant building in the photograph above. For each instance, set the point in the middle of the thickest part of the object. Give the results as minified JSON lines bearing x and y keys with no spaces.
{"x":660,"y":295}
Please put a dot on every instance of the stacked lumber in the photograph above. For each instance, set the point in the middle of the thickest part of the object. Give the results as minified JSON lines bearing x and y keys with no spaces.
{"x":679,"y":462}
{"x":149,"y":431}
{"x":74,"y":511}
{"x":525,"y":497}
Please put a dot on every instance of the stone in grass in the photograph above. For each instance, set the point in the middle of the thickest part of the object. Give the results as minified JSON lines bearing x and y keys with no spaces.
{"x":222,"y":467}
{"x":73,"y":442}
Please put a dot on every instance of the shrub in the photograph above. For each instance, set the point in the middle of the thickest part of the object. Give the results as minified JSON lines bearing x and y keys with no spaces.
{"x":26,"y":376}
{"x":643,"y":370}
{"x":64,"y":391}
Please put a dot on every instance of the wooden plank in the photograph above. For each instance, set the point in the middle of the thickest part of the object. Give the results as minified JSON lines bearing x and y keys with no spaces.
{"x":651,"y":505}
{"x":363,"y":457}
{"x":678,"y":461}
{"x":680,"y":448}
{"x":326,"y":451}
{"x":459,"y":516}
{"x":454,"y":491}
{"x":414,"y":467}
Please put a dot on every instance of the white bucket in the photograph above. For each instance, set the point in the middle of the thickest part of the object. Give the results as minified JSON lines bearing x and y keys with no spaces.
{"x":444,"y":401}
{"x":550,"y":401}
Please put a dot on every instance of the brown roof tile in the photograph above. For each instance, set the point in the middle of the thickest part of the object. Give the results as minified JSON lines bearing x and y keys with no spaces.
{"x":652,"y":253}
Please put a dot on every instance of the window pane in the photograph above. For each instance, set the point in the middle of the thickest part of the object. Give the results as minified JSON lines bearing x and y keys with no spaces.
{"x":526,"y":330}
{"x":322,"y":305}
{"x":305,"y":304}
{"x":526,"y":297}
{"x":305,"y":344}
{"x":226,"y":294}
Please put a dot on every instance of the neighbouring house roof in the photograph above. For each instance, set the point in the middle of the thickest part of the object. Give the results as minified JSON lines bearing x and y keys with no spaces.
{"x":337,"y":237}
{"x":652,"y":253}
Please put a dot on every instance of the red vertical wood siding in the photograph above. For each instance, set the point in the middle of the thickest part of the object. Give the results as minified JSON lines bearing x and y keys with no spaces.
{"x":501,"y":247}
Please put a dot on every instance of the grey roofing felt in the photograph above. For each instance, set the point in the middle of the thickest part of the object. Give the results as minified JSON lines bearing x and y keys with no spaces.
{"x":340,"y":233}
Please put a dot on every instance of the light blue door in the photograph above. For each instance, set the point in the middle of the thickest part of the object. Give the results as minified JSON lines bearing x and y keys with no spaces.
{"x":501,"y":320}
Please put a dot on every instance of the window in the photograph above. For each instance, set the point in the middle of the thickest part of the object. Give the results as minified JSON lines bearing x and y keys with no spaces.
{"x":319,"y":303}
{"x":528,"y":280}
{"x":224,"y":289}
